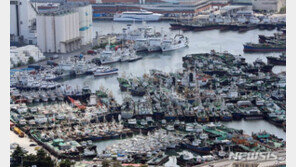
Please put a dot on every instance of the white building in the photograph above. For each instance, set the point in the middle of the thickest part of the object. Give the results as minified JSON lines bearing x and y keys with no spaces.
{"x":22,"y":21}
{"x":268,"y":5}
{"x":22,"y":54}
{"x":58,"y":32}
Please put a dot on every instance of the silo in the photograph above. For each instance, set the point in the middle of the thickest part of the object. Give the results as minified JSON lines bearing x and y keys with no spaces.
{"x":76,"y":18}
{"x":66,"y":16}
{"x":40,"y":27}
{"x":71,"y":32}
{"x":90,"y":23}
{"x":50,"y":33}
{"x":74,"y":24}
{"x":84,"y":15}
{"x":60,"y":29}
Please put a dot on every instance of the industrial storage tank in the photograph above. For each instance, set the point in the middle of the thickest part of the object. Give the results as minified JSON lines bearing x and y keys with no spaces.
{"x":85,"y":21}
{"x":49,"y":33}
{"x":67,"y":26}
{"x":89,"y":19}
{"x":60,"y":28}
{"x":40,"y":21}
{"x":76,"y":25}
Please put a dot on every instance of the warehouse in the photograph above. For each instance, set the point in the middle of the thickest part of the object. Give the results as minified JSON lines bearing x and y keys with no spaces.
{"x":268,"y":5}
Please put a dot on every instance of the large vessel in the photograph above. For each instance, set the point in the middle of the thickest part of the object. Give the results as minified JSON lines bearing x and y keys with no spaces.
{"x":251,"y":47}
{"x":178,"y":42}
{"x":137,"y":16}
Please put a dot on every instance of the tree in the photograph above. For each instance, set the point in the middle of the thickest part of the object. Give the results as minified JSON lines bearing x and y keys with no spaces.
{"x":19,"y":64}
{"x":43,"y":160}
{"x":66,"y":163}
{"x":116,"y":164}
{"x":31,"y":60}
{"x":283,"y":10}
{"x":30,"y":160}
{"x":17,"y":156}
{"x":41,"y":154}
{"x":105,"y":163}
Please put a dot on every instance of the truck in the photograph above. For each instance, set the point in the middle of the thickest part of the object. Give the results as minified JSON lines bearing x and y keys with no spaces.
{"x":18,"y":132}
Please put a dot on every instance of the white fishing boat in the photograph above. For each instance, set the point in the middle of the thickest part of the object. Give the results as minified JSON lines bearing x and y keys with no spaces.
{"x":141,"y":44}
{"x":128,"y":55}
{"x":103,"y":71}
{"x":109,"y":56}
{"x":178,"y":42}
{"x":154,"y":44}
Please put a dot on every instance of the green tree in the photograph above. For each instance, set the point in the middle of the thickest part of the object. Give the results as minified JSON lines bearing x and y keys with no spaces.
{"x":116,"y":164}
{"x":43,"y":160}
{"x":31,"y":60}
{"x":105,"y":163}
{"x":66,"y":163}
{"x":30,"y":160}
{"x":19,"y":64}
{"x":17,"y":156}
{"x":283,"y":10}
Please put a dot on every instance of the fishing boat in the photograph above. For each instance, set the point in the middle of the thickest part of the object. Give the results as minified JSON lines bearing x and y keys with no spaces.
{"x":109,"y":56}
{"x":266,"y":47}
{"x":154,"y":44}
{"x":141,"y":44}
{"x":178,"y":42}
{"x":281,"y":61}
{"x":103,"y":71}
{"x":197,"y":146}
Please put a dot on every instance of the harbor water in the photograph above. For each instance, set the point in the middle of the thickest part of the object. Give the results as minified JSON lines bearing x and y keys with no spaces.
{"x":199,"y":42}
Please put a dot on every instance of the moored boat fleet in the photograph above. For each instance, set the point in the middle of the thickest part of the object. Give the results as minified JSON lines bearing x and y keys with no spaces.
{"x":145,"y":38}
{"x":275,"y":43}
{"x":160,"y":112}
{"x":238,"y":23}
